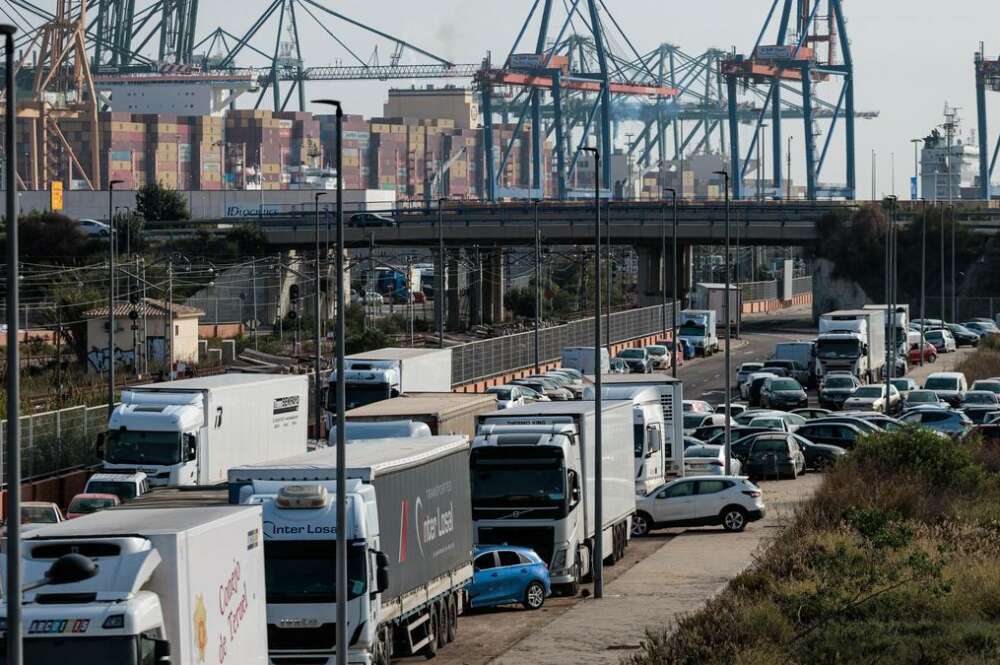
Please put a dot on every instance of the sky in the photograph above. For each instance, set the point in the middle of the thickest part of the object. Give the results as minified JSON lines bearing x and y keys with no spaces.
{"x":911,"y":56}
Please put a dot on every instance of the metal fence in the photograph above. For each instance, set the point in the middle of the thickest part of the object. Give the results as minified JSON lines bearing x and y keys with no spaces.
{"x":801,"y":285}
{"x":57,"y":440}
{"x":759,"y":291}
{"x":479,"y":360}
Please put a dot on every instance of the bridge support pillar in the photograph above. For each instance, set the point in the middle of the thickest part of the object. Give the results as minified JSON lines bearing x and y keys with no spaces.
{"x":493,"y":287}
{"x":453,"y":291}
{"x":476,"y":289}
{"x":652,"y":281}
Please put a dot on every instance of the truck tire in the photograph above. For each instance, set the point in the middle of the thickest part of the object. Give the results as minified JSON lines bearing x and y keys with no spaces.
{"x":452,"y":618}
{"x":442,"y":632}
{"x":431,"y":648}
{"x":383,"y":648}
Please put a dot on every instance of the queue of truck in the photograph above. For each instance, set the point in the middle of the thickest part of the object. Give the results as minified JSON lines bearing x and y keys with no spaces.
{"x":216,"y":471}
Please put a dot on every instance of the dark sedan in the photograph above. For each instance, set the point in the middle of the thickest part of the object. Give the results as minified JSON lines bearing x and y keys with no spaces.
{"x":842,"y":435}
{"x":963,"y":336}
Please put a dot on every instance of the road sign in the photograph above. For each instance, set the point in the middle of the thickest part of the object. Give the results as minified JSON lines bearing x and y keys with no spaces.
{"x":56,"y":196}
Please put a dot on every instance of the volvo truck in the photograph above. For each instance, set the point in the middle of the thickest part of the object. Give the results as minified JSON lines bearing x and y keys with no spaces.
{"x":374,"y":376}
{"x":190,"y":432}
{"x":698,"y":328}
{"x":853,"y":341}
{"x":172,"y":585}
{"x":534,"y":484}
{"x":409,"y":533}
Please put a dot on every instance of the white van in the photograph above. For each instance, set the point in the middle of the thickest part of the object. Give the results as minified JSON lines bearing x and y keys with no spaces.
{"x":581,"y":358}
{"x":949,"y":386}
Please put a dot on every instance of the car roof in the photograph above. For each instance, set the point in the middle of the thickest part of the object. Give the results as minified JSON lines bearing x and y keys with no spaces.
{"x":946,"y":375}
{"x":94,"y":495}
{"x":38,"y":504}
{"x":483,"y":549}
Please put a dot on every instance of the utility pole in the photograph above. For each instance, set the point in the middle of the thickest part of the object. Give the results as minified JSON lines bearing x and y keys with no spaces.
{"x":788,"y":172}
{"x":253,"y":287}
{"x":439,"y":295}
{"x":538,"y":286}
{"x":728,"y":328}
{"x":317,"y":337}
{"x":923,"y":277}
{"x":169,"y":337}
{"x":112,"y":251}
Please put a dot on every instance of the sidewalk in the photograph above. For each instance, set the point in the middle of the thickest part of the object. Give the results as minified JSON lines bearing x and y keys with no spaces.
{"x":678,"y":578}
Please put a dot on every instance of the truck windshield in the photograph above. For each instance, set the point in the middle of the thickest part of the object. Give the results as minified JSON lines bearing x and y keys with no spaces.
{"x":77,"y":650}
{"x":358,"y":395}
{"x":692,"y":329}
{"x":135,"y":447}
{"x":839,"y":348}
{"x":528,"y":480}
{"x":304,"y":571}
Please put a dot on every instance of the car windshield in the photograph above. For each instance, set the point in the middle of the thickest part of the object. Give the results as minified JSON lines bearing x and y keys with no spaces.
{"x":38,"y":515}
{"x":980,"y":398}
{"x":702,"y":451}
{"x":137,"y":447}
{"x":785,"y":384}
{"x":692,"y":329}
{"x":632,"y":353}
{"x":501,"y":393}
{"x":941,"y":383}
{"x":900,"y":384}
{"x":917,"y":396}
{"x":87,"y":506}
{"x":992,"y":386}
{"x":767,"y":422}
{"x":837,"y":348}
{"x":869,"y":391}
{"x":305,"y":571}
{"x":692,"y":421}
{"x":657,"y":350}
{"x":750,"y":367}
{"x":839,"y":382}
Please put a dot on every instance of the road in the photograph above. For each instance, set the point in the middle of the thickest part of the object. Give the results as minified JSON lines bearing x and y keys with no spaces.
{"x":513,"y":635}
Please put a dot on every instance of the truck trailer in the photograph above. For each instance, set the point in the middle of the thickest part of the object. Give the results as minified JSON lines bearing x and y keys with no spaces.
{"x":374,"y":376}
{"x":409,"y":542}
{"x":190,"y":432}
{"x":713,"y":296}
{"x":443,"y":413}
{"x":853,"y":341}
{"x":173,"y":585}
{"x":534,"y":485}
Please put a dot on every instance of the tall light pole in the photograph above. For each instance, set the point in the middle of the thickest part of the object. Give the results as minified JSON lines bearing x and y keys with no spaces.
{"x":13,"y":588}
{"x":439,"y":296}
{"x":916,"y":167}
{"x":728,"y":318}
{"x":788,"y":170}
{"x":890,"y":351}
{"x":317,"y":336}
{"x":538,"y":285}
{"x":112,"y":250}
{"x":673,"y":307}
{"x":597,"y":562}
{"x":341,"y":572}
{"x":923,"y":277}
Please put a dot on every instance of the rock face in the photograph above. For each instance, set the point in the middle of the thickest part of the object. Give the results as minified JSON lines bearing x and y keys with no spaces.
{"x":832,"y":293}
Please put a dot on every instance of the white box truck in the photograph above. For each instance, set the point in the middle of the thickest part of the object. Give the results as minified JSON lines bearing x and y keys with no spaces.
{"x":533,"y":484}
{"x":652,"y":467}
{"x":173,"y":585}
{"x":713,"y":297}
{"x":698,"y":328}
{"x":901,"y":317}
{"x":409,"y":537}
{"x":853,"y":341}
{"x":190,"y":432}
{"x":581,"y":358}
{"x":373,"y":376}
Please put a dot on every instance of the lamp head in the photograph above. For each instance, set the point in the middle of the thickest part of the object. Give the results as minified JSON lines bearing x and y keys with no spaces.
{"x":7,"y":29}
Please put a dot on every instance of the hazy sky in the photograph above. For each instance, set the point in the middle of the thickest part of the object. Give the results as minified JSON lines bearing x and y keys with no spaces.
{"x":910,"y":55}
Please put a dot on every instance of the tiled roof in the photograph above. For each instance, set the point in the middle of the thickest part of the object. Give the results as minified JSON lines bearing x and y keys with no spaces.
{"x":150,"y":307}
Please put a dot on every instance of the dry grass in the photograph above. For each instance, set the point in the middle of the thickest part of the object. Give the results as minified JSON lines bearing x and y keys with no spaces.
{"x":985,"y":362}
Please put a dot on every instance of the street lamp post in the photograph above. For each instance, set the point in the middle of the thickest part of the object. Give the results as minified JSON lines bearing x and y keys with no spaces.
{"x":317,"y":336}
{"x":890,"y":352}
{"x":788,"y":171}
{"x":923,"y":277}
{"x":916,"y":167}
{"x":673,"y":306}
{"x":13,"y":587}
{"x":538,"y":286}
{"x":341,"y":552}
{"x":728,"y":328}
{"x":439,"y":295}
{"x":112,"y":241}
{"x":597,"y":561}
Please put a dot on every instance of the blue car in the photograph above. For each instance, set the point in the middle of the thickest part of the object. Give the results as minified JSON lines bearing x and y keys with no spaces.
{"x":686,"y":349}
{"x":505,"y":575}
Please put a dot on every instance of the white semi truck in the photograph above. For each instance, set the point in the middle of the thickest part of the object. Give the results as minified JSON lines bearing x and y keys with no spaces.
{"x":190,"y":432}
{"x":373,"y":376}
{"x":173,"y":585}
{"x":853,"y":341}
{"x":534,"y":485}
{"x":713,"y":297}
{"x":409,"y":537}
{"x":698,"y":328}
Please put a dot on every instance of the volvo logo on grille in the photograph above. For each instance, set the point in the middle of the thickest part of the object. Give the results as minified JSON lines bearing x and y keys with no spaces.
{"x":298,"y":623}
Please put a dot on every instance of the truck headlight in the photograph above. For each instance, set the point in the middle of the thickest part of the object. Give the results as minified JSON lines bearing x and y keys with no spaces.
{"x":114,"y":621}
{"x":559,"y":560}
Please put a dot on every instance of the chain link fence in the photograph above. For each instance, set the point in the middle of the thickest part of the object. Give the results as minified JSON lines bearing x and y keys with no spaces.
{"x":801,"y":285}
{"x":490,"y":357}
{"x":759,"y":291}
{"x":57,"y":440}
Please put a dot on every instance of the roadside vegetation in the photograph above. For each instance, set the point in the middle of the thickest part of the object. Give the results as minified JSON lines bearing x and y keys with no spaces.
{"x":895,"y":560}
{"x":985,"y":362}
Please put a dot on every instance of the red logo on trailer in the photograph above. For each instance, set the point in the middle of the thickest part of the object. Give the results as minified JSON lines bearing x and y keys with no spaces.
{"x":404,"y":519}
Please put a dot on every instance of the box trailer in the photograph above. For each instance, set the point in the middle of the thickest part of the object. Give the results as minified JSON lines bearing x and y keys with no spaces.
{"x":374,"y":376}
{"x":443,"y":413}
{"x":713,"y":296}
{"x":190,"y":432}
{"x":534,"y":483}
{"x":853,"y":341}
{"x":582,"y":358}
{"x":410,"y":554}
{"x":183,"y":583}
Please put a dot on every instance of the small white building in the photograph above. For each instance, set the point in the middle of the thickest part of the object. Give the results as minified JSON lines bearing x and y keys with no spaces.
{"x":143,"y":327}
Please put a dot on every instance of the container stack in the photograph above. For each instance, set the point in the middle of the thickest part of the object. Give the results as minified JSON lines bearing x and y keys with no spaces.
{"x":163,"y":159}
{"x":258,"y":134}
{"x":207,"y":144}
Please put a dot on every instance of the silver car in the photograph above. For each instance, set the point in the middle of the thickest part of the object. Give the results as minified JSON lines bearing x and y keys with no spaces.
{"x":709,"y":461}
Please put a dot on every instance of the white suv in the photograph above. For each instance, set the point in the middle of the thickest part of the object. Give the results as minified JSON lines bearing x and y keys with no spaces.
{"x":730,"y":501}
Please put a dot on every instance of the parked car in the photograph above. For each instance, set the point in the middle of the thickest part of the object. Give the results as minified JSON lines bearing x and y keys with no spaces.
{"x":963,"y":336}
{"x":819,"y":456}
{"x":735,"y":408}
{"x":697,"y":419}
{"x":979,"y":415}
{"x":687,"y":348}
{"x":946,"y":421}
{"x":982,"y":328}
{"x":913,"y":353}
{"x":670,"y":352}
{"x":874,"y":398}
{"x":697,"y":405}
{"x":863,"y":424}
{"x":638,"y":361}
{"x":738,"y":434}
{"x":775,"y":456}
{"x":530,"y":394}
{"x":85,"y":504}
{"x":505,"y":575}
{"x":793,"y":369}
{"x":980,"y":398}
{"x":744,"y":372}
{"x":564,"y":381}
{"x":659,"y":356}
{"x":370,"y":220}
{"x":949,"y":386}
{"x":508,"y":396}
{"x":783,"y":394}
{"x":809,"y":413}
{"x":126,"y":486}
{"x":842,"y":435}
{"x":993,"y":385}
{"x":730,"y":501}
{"x":836,"y":389}
{"x":942,"y":340}
{"x":546,"y":386}
{"x":754,"y":385}
{"x":40,"y":512}
{"x":922,"y":397}
{"x":94,"y":229}
{"x":618,"y":366}
{"x":874,"y":418}
{"x":779,"y":421}
{"x":904,"y":386}
{"x":709,"y":461}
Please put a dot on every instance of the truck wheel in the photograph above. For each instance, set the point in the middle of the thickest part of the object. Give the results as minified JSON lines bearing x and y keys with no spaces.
{"x":534,"y":596}
{"x":442,"y":632}
{"x":452,"y":619}
{"x":382,"y":648}
{"x":431,"y":648}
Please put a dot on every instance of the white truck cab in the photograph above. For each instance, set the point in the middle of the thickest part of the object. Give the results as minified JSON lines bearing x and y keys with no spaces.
{"x":698,"y":326}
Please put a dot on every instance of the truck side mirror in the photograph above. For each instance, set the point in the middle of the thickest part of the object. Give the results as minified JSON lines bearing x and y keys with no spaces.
{"x":191,"y":446}
{"x":161,"y":652}
{"x":381,"y":571}
{"x":99,"y":446}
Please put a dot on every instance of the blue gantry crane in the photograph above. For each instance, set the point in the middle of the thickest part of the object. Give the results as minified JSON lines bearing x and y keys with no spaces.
{"x":987,"y":78}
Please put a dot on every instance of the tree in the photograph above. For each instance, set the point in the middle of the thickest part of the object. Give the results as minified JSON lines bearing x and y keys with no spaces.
{"x":158,"y":203}
{"x":49,"y":235}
